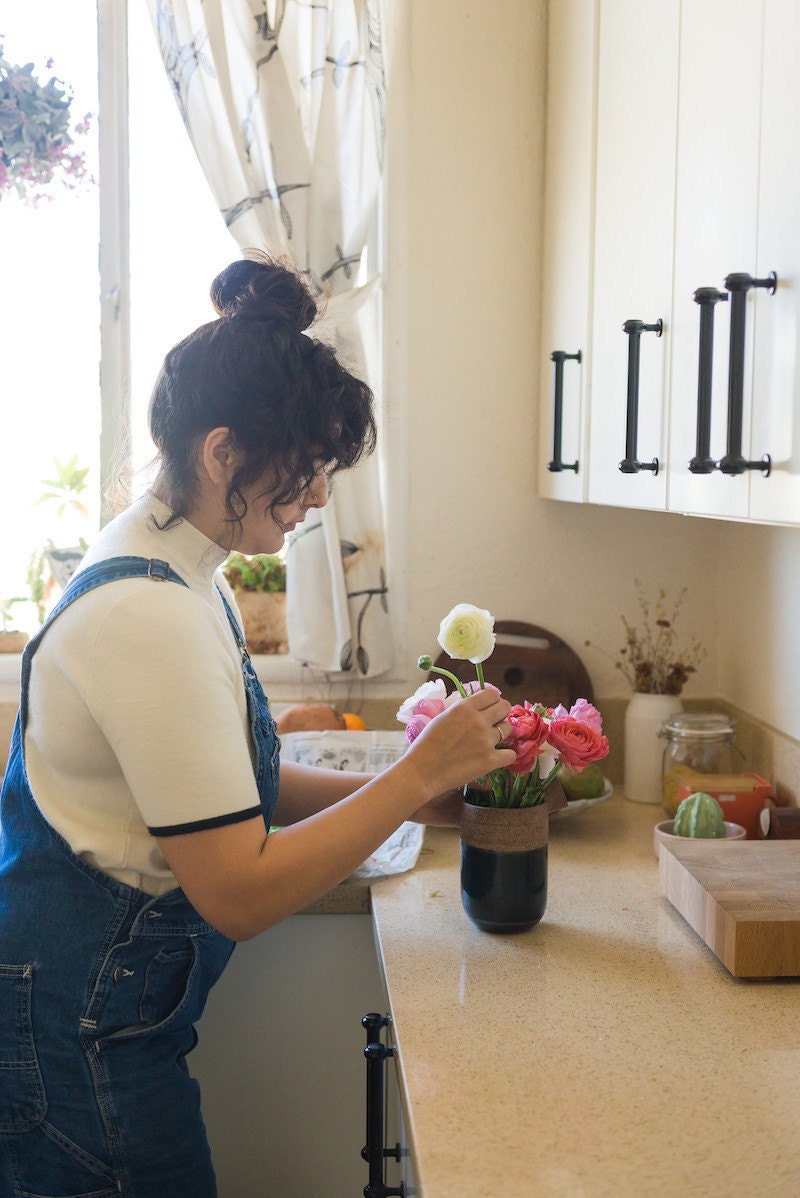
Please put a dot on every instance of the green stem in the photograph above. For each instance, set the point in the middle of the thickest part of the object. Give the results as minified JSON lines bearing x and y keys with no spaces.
{"x":479,"y":670}
{"x":452,"y":677}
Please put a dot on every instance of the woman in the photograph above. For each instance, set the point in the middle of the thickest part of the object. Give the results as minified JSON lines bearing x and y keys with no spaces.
{"x":143,"y":775}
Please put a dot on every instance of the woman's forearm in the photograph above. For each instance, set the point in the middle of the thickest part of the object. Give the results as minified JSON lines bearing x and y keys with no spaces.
{"x":307,"y":789}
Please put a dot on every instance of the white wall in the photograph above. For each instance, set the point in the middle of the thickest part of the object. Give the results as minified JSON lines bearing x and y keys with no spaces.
{"x":756,"y":585}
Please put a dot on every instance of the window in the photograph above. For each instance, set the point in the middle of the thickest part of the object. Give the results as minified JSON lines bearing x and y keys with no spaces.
{"x":49,"y":309}
{"x":53,"y":301}
{"x":81,"y":347}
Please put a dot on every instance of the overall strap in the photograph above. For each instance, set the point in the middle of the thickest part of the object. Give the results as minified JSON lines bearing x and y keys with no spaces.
{"x":110,"y":570}
{"x":234,"y":623}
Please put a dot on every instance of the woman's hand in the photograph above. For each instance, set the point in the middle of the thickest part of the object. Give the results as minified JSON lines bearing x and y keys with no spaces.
{"x":461,"y":744}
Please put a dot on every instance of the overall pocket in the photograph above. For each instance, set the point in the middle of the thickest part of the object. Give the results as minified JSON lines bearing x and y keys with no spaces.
{"x":146,"y":987}
{"x":23,"y":1104}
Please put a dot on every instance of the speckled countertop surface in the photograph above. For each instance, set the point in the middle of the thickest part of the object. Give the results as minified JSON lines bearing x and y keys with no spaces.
{"x":605,"y":1053}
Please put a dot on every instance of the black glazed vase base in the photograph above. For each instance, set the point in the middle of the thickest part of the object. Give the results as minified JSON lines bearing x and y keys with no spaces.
{"x":504,"y":892}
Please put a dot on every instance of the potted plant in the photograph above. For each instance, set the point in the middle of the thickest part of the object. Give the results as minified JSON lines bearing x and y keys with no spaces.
{"x":259,"y":587}
{"x":64,"y":492}
{"x":657,"y":671}
{"x":11,"y":639}
{"x":36,"y":142}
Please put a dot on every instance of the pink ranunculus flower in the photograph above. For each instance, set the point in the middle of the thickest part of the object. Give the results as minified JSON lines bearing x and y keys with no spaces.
{"x":583,"y":711}
{"x":528,"y":736}
{"x":427,"y":691}
{"x":416,"y":725}
{"x":576,"y":743}
{"x":472,"y":688}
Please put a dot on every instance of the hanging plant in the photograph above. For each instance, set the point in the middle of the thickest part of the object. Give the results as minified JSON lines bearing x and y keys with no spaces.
{"x":35,"y":138}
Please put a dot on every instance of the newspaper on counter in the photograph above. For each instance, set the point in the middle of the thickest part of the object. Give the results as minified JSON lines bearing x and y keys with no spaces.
{"x":362,"y":753}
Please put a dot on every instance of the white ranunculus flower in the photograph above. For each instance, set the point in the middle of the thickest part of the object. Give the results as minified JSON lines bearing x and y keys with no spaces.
{"x":467,"y":633}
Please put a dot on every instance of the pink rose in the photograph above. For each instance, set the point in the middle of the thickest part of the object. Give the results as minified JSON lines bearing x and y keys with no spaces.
{"x":527,"y":738}
{"x":577,"y":744}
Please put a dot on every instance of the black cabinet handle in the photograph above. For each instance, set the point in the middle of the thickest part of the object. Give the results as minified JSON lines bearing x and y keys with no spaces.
{"x":633,"y":329}
{"x":559,"y":357}
{"x":707,"y":298}
{"x":738,"y":285}
{"x":373,"y":1151}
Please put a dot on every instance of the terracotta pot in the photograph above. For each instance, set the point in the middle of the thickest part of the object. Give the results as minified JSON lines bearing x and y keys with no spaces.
{"x":504,"y":863}
{"x":264,"y":620}
{"x":13,"y":642}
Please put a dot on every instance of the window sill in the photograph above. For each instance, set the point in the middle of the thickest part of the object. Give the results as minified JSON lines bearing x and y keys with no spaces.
{"x":279,"y":674}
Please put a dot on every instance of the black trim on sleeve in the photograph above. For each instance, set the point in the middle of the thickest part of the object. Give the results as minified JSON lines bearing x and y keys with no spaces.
{"x":200,"y":825}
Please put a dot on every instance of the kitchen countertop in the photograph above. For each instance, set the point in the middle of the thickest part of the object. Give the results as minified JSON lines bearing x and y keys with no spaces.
{"x":606,"y":1052}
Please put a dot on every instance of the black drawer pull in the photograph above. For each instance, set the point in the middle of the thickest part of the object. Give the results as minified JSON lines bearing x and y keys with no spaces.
{"x":633,"y":329}
{"x":738,"y":285}
{"x":558,"y":357}
{"x":706,"y":298}
{"x":373,"y":1151}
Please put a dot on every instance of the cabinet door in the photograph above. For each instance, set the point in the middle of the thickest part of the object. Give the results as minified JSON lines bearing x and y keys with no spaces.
{"x":566,"y":267}
{"x":715,"y":232}
{"x":636,"y":131}
{"x":776,"y":389}
{"x":280,"y":1059}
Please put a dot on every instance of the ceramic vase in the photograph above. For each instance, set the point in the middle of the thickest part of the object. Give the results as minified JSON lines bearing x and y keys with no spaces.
{"x":504,"y":863}
{"x":644,"y":749}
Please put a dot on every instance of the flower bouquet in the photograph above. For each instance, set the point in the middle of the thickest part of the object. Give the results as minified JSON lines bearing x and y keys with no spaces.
{"x":505,"y":818}
{"x":545,"y":739}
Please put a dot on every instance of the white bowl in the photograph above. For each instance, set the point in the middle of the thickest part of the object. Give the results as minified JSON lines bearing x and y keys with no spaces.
{"x":663,"y":834}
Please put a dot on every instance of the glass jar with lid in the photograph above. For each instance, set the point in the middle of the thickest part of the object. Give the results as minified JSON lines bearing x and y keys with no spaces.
{"x":698,"y":743}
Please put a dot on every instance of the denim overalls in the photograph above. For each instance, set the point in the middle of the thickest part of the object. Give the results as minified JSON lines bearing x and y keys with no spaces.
{"x":100,"y":985}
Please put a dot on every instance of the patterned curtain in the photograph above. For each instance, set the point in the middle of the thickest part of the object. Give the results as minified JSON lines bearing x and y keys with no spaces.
{"x":284,"y":101}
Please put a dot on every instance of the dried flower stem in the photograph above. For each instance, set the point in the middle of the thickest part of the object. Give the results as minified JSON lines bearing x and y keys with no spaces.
{"x":649,"y":660}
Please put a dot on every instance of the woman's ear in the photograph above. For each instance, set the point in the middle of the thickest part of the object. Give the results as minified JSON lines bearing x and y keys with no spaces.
{"x":219,"y":457}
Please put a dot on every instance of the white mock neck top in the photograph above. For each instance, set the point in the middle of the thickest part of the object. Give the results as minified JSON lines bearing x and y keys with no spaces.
{"x":137,"y":717}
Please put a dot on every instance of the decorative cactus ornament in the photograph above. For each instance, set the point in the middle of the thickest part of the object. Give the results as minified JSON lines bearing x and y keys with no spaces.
{"x":699,"y":815}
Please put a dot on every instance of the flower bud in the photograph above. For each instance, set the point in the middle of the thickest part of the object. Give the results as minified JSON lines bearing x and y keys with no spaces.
{"x":425,"y":662}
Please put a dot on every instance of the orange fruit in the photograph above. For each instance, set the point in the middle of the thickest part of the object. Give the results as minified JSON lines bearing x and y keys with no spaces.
{"x":353,"y":722}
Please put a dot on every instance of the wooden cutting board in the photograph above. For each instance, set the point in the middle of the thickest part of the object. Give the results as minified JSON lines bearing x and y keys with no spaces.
{"x":742,"y":897}
{"x":528,"y":662}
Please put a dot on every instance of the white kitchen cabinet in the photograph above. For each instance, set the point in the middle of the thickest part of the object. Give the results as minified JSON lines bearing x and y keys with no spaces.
{"x":716,"y":223}
{"x":633,"y":247}
{"x":776,"y":389}
{"x":568,"y":240}
{"x":280,"y":1059}
{"x":695,"y":106}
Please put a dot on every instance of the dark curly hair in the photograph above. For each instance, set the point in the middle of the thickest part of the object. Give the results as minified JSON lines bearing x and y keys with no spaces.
{"x":288,"y":401}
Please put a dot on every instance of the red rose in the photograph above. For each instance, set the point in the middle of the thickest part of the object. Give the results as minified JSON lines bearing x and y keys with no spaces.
{"x":527,"y":738}
{"x":577,"y":744}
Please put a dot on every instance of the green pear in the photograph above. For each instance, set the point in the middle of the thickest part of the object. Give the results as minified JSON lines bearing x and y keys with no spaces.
{"x":588,"y":784}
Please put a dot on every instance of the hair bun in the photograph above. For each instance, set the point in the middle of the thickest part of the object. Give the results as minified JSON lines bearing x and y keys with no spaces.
{"x":259,"y":287}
